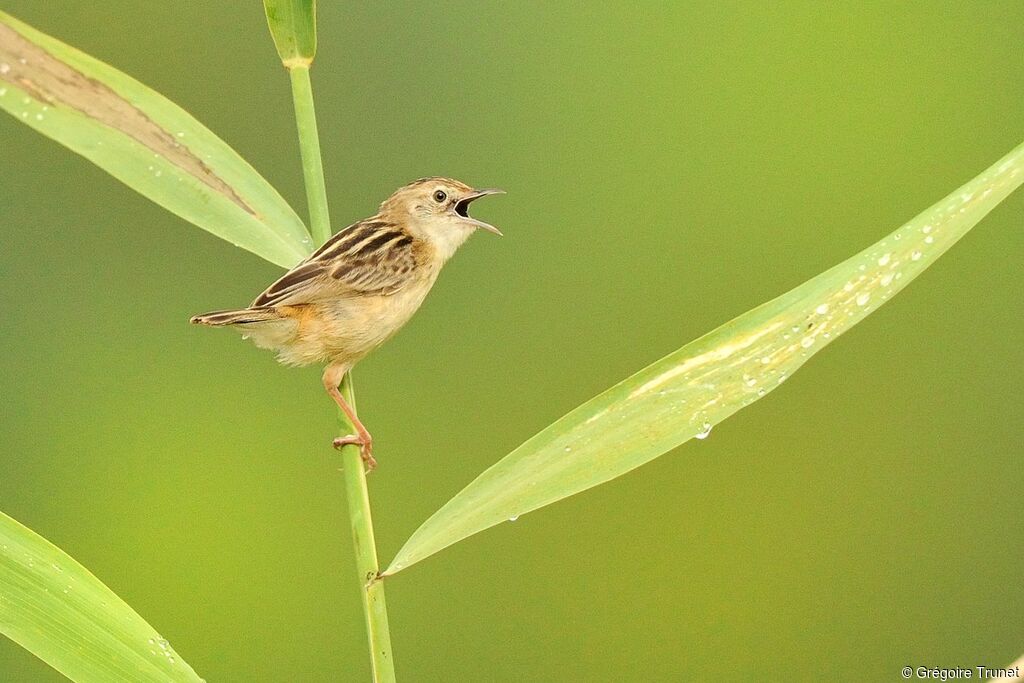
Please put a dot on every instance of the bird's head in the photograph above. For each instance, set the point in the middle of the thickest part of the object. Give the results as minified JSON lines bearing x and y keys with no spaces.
{"x":437,"y":210}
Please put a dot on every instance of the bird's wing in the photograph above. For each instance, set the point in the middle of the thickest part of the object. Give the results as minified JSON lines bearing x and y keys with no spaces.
{"x":370,"y":257}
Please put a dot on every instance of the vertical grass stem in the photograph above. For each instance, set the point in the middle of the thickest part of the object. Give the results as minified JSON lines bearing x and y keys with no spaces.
{"x":309,"y":146}
{"x":356,"y":493}
{"x":367,"y":566}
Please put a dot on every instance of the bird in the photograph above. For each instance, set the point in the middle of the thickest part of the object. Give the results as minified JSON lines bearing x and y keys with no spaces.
{"x":360,"y":287}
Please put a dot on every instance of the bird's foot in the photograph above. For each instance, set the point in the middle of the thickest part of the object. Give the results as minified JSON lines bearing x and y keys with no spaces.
{"x":365,"y":448}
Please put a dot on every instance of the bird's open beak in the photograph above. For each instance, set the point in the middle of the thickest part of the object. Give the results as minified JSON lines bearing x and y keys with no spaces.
{"x":462,"y":208}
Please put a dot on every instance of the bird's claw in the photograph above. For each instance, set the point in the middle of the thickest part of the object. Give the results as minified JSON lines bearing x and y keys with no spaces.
{"x":365,"y":449}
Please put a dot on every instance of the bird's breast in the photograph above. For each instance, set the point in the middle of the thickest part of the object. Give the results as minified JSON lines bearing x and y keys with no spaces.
{"x":352,"y":327}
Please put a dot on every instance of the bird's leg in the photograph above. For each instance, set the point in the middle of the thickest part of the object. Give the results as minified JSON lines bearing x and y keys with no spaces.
{"x":362,"y":438}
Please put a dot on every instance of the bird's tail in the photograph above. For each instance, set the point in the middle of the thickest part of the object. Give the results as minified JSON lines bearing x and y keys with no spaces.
{"x":237,"y":317}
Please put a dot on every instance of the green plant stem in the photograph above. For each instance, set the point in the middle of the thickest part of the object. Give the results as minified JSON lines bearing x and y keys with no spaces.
{"x":309,"y":146}
{"x":374,"y":605}
{"x":356,"y":493}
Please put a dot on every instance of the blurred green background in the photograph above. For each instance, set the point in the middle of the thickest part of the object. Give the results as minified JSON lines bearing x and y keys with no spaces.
{"x":668,"y":168}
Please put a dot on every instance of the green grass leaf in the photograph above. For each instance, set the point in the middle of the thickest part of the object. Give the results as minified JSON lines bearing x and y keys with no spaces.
{"x":56,"y":609}
{"x":145,"y":141}
{"x":293,"y":26}
{"x":688,"y":392}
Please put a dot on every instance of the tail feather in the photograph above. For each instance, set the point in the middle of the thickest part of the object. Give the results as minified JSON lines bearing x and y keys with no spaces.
{"x":236,"y":317}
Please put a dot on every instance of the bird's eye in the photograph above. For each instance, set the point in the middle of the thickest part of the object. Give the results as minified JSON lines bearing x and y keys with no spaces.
{"x":440,"y":196}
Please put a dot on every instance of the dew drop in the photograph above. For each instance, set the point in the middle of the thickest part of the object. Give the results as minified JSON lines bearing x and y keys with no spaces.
{"x":887,"y":279}
{"x":822,"y":309}
{"x":39,"y":117}
{"x":926,"y":229}
{"x":705,"y":430}
{"x":915,"y":256}
{"x":751,"y":382}
{"x":884,"y":260}
{"x":848,"y":287}
{"x":765,"y":360}
{"x":863,"y":298}
{"x":511,"y":519}
{"x":761,"y":392}
{"x":929,"y":239}
{"x":4,"y":68}
{"x":807,"y":341}
{"x":567,"y":449}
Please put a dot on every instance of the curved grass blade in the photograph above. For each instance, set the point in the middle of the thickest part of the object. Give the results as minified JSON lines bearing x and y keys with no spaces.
{"x":684,"y":394}
{"x":53,"y":607}
{"x":145,"y":141}
{"x":293,"y":27}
